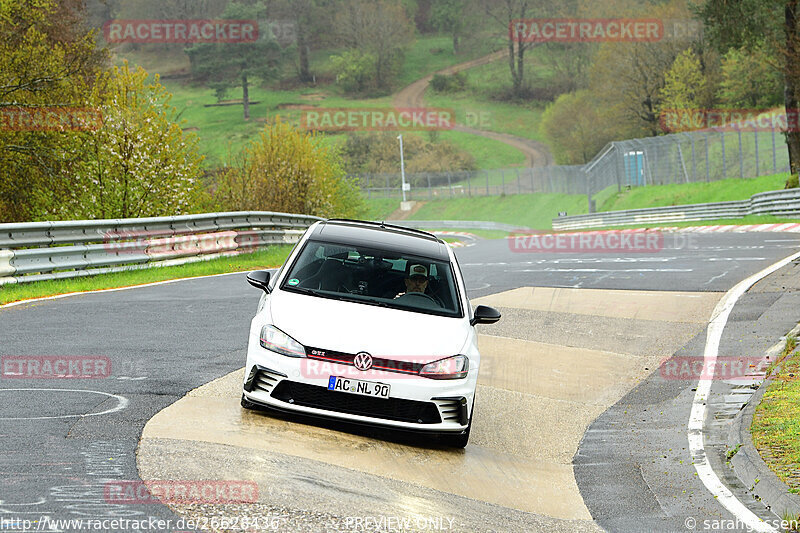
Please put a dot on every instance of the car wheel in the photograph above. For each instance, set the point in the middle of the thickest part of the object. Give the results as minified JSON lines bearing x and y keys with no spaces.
{"x":247,"y":404}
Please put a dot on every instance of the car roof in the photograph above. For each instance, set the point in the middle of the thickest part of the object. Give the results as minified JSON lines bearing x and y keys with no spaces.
{"x":381,"y":236}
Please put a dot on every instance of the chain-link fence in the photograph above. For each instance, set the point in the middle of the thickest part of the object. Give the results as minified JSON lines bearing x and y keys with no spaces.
{"x":699,"y":156}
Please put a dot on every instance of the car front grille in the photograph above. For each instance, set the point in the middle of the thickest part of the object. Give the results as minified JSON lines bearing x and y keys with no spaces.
{"x":396,"y":409}
{"x":378,"y":363}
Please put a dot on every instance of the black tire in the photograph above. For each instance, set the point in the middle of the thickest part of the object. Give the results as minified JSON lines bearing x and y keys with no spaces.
{"x":247,"y":404}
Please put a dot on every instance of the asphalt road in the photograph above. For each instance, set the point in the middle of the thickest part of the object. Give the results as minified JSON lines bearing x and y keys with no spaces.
{"x":162,"y":341}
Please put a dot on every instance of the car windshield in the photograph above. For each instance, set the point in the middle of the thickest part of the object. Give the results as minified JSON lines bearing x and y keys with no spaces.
{"x":375,"y":277}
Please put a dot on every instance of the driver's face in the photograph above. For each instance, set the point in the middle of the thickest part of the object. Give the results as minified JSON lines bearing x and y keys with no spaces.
{"x":416,"y":284}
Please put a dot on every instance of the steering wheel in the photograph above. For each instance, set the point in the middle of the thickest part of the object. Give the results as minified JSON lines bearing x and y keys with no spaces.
{"x":428,"y":296}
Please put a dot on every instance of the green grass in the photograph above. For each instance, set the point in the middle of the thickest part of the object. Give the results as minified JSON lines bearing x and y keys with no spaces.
{"x":433,"y":53}
{"x":690,"y":193}
{"x":270,"y":257}
{"x":380,"y":208}
{"x":488,"y":153}
{"x":526,"y":210}
{"x":521,"y":120}
{"x":776,"y":424}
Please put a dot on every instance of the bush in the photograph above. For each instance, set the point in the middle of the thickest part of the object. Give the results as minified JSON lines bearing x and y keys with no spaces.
{"x":375,"y":153}
{"x":449,"y":84}
{"x":355,"y":70}
{"x":289,"y":170}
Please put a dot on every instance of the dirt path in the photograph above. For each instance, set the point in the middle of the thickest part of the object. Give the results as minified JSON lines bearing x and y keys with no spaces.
{"x":536,"y":153}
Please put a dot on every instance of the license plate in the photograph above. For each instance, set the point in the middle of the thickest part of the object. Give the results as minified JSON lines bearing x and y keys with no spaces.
{"x":358,"y":386}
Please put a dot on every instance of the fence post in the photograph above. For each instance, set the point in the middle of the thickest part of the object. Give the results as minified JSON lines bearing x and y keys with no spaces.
{"x":533,"y":186}
{"x":449,"y":185}
{"x":487,"y":182}
{"x":724,"y":166}
{"x":741,"y":154}
{"x":469,"y":186}
{"x":519,"y":183}
{"x":758,"y":171}
{"x":774,"y":153}
{"x":503,"y":178}
{"x":694,"y":161}
{"x":708,"y":162}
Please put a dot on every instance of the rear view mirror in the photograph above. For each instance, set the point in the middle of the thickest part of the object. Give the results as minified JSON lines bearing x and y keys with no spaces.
{"x":485,"y":315}
{"x":259,"y":279}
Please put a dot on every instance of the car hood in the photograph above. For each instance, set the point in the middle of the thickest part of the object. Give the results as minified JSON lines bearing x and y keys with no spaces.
{"x":353,"y":327}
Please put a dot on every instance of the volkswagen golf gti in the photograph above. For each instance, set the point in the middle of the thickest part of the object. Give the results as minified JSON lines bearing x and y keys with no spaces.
{"x":368,"y":323}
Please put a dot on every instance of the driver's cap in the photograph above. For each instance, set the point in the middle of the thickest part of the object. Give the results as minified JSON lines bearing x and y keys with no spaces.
{"x":418,"y":270}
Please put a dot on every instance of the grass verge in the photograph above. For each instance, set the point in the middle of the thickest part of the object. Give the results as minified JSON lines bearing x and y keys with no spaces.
{"x":688,"y":193}
{"x":776,"y":423}
{"x":270,"y":257}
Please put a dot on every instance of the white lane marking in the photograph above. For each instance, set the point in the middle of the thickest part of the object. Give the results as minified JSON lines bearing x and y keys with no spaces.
{"x":122,"y":403}
{"x":697,"y":418}
{"x":59,"y":296}
{"x":604,"y":270}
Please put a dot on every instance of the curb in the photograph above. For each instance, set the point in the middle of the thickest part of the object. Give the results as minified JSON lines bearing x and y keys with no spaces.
{"x":749,"y":466}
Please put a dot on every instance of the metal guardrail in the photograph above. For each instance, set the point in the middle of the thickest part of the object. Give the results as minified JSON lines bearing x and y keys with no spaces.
{"x":783,"y":203}
{"x":36,"y":251}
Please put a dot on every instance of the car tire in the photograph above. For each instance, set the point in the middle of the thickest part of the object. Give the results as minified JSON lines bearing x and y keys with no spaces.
{"x":247,"y":404}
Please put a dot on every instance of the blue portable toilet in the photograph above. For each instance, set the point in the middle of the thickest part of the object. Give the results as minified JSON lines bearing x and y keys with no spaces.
{"x":634,"y":168}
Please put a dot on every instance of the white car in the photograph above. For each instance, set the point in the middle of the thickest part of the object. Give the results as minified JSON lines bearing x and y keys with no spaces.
{"x":368,"y":323}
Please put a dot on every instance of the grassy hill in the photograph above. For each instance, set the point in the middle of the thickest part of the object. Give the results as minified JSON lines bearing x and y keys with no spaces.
{"x":537,"y":210}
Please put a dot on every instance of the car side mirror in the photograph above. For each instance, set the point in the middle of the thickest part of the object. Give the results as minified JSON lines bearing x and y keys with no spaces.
{"x":485,"y":315}
{"x":259,"y":279}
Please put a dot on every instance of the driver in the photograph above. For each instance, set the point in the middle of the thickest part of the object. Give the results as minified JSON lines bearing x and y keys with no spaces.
{"x":416,"y":279}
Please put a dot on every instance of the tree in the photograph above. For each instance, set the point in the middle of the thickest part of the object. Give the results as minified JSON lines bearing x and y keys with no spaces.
{"x":571,"y":127}
{"x":291,"y":171}
{"x":140,"y":163}
{"x":504,"y":12}
{"x":752,"y":24}
{"x":684,"y":83}
{"x":750,"y":79}
{"x":48,"y":61}
{"x":379,"y":28}
{"x":228,"y":65}
{"x":629,"y":77}
{"x":453,"y":17}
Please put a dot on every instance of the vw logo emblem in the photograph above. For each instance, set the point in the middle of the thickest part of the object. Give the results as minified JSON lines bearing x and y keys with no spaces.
{"x":363,"y":361}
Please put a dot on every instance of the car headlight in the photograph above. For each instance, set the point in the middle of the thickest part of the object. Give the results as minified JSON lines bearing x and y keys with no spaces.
{"x":275,"y":340}
{"x":455,"y":367}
